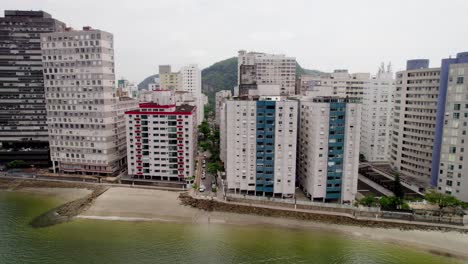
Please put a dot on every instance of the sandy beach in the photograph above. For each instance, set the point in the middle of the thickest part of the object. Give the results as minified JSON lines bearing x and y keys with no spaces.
{"x":131,"y":204}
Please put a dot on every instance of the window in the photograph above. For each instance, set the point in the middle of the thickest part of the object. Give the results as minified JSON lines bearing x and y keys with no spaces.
{"x":460,"y":80}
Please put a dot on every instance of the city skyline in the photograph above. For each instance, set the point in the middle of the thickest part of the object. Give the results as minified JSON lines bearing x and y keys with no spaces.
{"x":160,"y":26}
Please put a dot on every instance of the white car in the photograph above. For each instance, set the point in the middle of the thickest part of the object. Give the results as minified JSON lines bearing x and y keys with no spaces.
{"x":202,"y":188}
{"x":204,"y":166}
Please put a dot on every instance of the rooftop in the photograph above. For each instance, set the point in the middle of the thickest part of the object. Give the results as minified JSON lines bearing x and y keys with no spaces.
{"x":25,"y":13}
{"x":185,"y":108}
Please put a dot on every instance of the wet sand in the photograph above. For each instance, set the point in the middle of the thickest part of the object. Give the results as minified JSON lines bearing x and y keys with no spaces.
{"x":131,"y":204}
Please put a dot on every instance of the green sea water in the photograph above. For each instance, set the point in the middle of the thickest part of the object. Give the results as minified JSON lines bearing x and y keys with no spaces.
{"x":90,"y":241}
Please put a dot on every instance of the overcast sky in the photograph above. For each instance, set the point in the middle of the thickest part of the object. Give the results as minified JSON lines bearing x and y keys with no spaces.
{"x":324,"y":35}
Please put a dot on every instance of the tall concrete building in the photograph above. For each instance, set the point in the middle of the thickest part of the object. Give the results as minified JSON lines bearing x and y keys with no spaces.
{"x":261,"y":138}
{"x":161,"y":138}
{"x":23,"y":127}
{"x":190,"y":81}
{"x":449,"y":162}
{"x":339,"y":83}
{"x":85,"y":117}
{"x":265,"y":74}
{"x":328,"y":148}
{"x":414,"y":121}
{"x":220,"y":100}
{"x":377,"y":105}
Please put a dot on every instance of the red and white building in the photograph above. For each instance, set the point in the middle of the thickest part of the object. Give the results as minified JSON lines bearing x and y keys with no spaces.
{"x":161,"y":138}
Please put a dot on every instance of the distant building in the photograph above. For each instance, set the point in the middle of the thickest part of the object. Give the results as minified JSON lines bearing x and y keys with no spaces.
{"x":265,"y":74}
{"x":23,"y":126}
{"x":161,"y":139}
{"x":190,"y":81}
{"x":220,"y":100}
{"x":328,"y":148}
{"x":261,"y":139}
{"x":377,"y":105}
{"x":85,"y":117}
{"x":168,"y":80}
{"x":449,"y":162}
{"x":339,"y":83}
{"x":414,"y":121}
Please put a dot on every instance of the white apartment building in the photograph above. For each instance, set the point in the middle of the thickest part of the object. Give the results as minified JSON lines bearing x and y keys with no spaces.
{"x":261,"y":138}
{"x":220,"y":99}
{"x":84,"y":115}
{"x":265,"y":74}
{"x":161,"y":138}
{"x":339,"y":83}
{"x":414,"y":120}
{"x":376,"y":116}
{"x":328,"y":148}
{"x":190,"y":81}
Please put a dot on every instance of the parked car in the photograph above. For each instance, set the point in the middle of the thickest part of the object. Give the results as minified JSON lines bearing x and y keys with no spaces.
{"x":202,"y":188}
{"x":203,"y":177}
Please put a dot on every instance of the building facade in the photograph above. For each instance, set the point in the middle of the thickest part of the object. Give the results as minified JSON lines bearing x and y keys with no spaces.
{"x":168,"y":80}
{"x":85,"y":117}
{"x":220,"y":100}
{"x":377,"y":106}
{"x":339,"y":83}
{"x":190,"y":81}
{"x":414,"y":120}
{"x":328,"y":148}
{"x":265,"y":74}
{"x":449,"y":162}
{"x":161,"y":138}
{"x":261,"y":138}
{"x":23,"y":116}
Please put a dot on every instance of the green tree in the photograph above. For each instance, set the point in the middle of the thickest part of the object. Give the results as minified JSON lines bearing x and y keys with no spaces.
{"x":213,"y":167}
{"x":397,"y":187}
{"x":368,"y":200}
{"x":16,"y":164}
{"x":204,"y":128}
{"x":390,"y":203}
{"x":204,"y":145}
{"x":441,"y":199}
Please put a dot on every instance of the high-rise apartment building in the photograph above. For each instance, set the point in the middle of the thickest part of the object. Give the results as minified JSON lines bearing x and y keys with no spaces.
{"x":449,"y":162}
{"x":328,"y":148}
{"x":414,"y":120}
{"x":377,"y":105}
{"x":161,"y":138}
{"x":190,"y":81}
{"x":261,"y":138}
{"x":23,"y":127}
{"x":265,"y":74}
{"x":339,"y":83}
{"x":85,"y":117}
